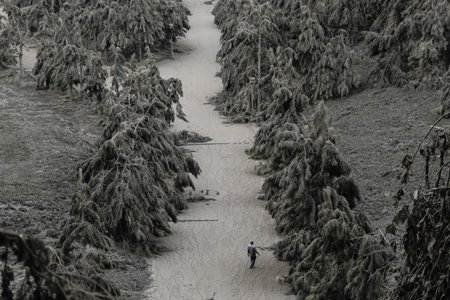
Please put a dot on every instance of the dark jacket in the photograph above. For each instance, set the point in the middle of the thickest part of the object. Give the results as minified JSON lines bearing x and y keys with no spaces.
{"x":251,"y":250}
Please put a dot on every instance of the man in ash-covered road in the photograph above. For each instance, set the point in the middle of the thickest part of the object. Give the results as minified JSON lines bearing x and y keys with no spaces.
{"x":251,"y":252}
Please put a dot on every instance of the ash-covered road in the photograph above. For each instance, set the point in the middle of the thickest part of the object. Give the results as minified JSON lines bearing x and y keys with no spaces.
{"x":208,"y":259}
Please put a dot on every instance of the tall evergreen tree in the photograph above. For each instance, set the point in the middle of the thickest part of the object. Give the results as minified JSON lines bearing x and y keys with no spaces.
{"x":143,"y":23}
{"x":411,"y":38}
{"x":104,"y":24}
{"x":136,"y":176}
{"x":243,"y":57}
{"x":353,"y":16}
{"x":175,"y":19}
{"x":330,"y":248}
{"x":65,"y":64}
{"x":286,"y":105}
{"x":323,"y":59}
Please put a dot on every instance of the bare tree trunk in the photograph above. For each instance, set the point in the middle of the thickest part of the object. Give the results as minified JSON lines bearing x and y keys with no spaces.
{"x":250,"y":102}
{"x":106,"y":56}
{"x":448,"y":177}
{"x":21,"y":57}
{"x":258,"y":101}
{"x":70,"y":92}
{"x":441,"y":164}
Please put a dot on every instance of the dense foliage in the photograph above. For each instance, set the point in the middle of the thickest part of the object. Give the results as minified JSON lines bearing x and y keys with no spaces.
{"x":285,"y":109}
{"x":332,"y":251}
{"x":276,"y":57}
{"x":131,"y":186}
{"x":105,"y":24}
{"x":411,"y":40}
{"x":425,"y":273}
{"x":252,"y":31}
{"x":75,"y":38}
{"x":43,"y":276}
{"x":247,"y":38}
{"x":407,"y":39}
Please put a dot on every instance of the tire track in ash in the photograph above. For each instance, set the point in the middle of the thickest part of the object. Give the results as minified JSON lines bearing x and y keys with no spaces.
{"x":209,"y":258}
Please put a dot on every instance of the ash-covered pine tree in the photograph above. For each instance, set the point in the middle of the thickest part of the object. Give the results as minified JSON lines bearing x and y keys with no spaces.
{"x":325,"y":64}
{"x":411,"y":39}
{"x":136,"y":177}
{"x":284,"y":110}
{"x":225,"y":11}
{"x":143,"y":23}
{"x":99,"y":26}
{"x":34,"y":13}
{"x":175,"y":18}
{"x":333,"y":75}
{"x":65,"y":64}
{"x":353,"y":16}
{"x":330,"y":248}
{"x":322,"y":57}
{"x":118,"y":70}
{"x":31,"y":270}
{"x":245,"y":44}
{"x":34,"y":18}
{"x":68,"y":67}
{"x":93,"y":82}
{"x":104,"y":25}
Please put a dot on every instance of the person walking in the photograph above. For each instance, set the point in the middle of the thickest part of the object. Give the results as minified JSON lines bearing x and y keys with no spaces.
{"x":251,"y":252}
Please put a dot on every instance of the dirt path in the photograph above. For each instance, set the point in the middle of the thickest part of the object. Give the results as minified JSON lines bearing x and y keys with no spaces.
{"x":209,"y":257}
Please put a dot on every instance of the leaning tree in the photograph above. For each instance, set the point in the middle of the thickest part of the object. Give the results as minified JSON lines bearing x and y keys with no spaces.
{"x":133,"y":184}
{"x":31,"y":270}
{"x":411,"y":40}
{"x":332,"y":251}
